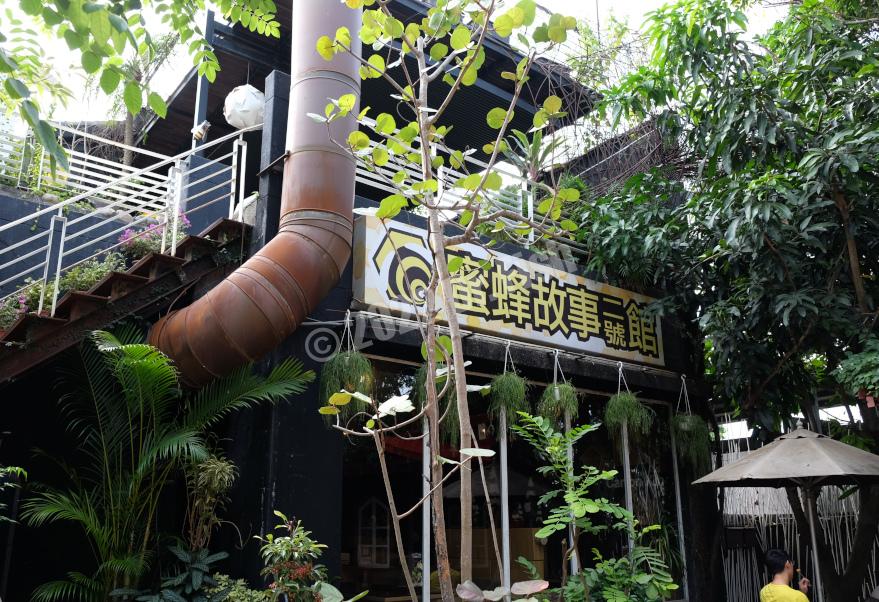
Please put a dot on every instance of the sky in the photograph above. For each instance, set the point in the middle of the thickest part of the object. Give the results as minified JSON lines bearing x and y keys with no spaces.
{"x":96,"y":106}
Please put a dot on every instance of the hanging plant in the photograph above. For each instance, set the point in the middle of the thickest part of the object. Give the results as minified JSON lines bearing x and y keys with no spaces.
{"x":348,"y":370}
{"x":508,"y":391}
{"x":624,"y":408}
{"x":557,"y":400}
{"x":693,"y":442}
{"x":449,"y":427}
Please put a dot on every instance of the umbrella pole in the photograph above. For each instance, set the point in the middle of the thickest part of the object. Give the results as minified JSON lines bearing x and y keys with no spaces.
{"x":818,"y":590}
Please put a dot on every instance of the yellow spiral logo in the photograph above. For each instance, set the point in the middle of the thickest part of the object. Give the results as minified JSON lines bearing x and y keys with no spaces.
{"x":400,"y":261}
{"x":408,"y":277}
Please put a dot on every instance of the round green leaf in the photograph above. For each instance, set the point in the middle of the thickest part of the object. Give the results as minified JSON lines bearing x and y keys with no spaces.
{"x":378,"y":65}
{"x":503,"y":25}
{"x":496,"y":117}
{"x":460,"y":38}
{"x":438,"y":51}
{"x":325,"y":48}
{"x":357,"y":140}
{"x":385,"y":123}
{"x":339,"y":399}
{"x":380,"y":156}
{"x":552,"y":104}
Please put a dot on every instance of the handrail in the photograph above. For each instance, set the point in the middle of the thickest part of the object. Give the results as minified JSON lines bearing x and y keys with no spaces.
{"x":154,"y":166}
{"x":141,"y":151}
{"x":163,"y":191}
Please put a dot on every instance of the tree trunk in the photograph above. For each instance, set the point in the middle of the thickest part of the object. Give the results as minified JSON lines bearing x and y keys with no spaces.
{"x":395,"y":517}
{"x":441,"y":545}
{"x":445,"y":283}
{"x":128,"y":139}
{"x":852,"y":248}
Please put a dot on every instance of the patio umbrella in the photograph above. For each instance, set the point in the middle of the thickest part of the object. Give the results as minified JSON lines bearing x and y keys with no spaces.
{"x":803,"y":459}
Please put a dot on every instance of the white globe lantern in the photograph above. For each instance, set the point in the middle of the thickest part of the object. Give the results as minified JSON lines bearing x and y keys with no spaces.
{"x":244,"y":107}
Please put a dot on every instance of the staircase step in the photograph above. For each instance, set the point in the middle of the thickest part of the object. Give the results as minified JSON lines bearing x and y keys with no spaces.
{"x":77,"y":303}
{"x":30,"y":326}
{"x":226,"y":229}
{"x":117,"y":284}
{"x":193,"y":247}
{"x":154,"y":265}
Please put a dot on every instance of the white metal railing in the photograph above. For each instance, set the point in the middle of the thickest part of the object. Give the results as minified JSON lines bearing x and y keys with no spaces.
{"x":109,"y":198}
{"x":516,"y":194}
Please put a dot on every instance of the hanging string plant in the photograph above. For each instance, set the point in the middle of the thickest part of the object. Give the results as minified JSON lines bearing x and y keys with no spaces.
{"x":559,"y":398}
{"x":692,"y":435}
{"x":347,"y":369}
{"x":508,"y":391}
{"x":449,"y":427}
{"x":625,"y":409}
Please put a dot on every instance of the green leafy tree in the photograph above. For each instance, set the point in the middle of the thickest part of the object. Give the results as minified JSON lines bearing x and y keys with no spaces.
{"x":770,"y":244}
{"x":136,"y":428}
{"x":641,"y":575}
{"x":440,"y":54}
{"x":140,"y":68}
{"x":101,"y":35}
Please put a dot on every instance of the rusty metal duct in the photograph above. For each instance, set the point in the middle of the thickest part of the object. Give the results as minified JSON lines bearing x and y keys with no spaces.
{"x":265,"y":299}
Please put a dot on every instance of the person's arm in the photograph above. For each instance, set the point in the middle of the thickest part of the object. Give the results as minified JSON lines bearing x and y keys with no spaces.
{"x":804,"y":584}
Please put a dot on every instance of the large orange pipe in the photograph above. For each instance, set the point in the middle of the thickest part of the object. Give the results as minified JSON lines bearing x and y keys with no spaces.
{"x":250,"y":312}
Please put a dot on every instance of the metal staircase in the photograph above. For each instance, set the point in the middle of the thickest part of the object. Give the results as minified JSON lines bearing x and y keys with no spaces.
{"x":104,"y":201}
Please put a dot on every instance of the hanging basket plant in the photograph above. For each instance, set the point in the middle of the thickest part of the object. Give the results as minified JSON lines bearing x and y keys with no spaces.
{"x":693,"y":442}
{"x":624,"y":408}
{"x":557,"y":400}
{"x":348,"y":370}
{"x":508,"y":391}
{"x":449,"y":427}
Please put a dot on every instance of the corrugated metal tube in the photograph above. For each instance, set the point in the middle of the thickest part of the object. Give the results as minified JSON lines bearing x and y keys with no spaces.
{"x":260,"y":304}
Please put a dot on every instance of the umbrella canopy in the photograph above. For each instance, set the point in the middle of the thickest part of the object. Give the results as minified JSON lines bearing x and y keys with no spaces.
{"x":802,"y":458}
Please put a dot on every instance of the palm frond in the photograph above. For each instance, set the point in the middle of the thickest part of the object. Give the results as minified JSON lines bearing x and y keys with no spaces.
{"x":184,"y":445}
{"x":49,"y":506}
{"x":147,"y":376}
{"x":133,"y":565}
{"x":129,"y":333}
{"x":243,"y":389}
{"x":77,"y":588}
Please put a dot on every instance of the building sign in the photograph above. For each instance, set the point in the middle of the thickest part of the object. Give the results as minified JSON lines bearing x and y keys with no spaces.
{"x":505,"y":296}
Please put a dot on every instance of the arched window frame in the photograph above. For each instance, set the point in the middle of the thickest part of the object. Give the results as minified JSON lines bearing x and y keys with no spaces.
{"x":373,"y":535}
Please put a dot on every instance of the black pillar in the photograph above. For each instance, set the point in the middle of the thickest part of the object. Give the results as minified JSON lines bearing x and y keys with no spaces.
{"x":274,"y":137}
{"x":201,"y":90}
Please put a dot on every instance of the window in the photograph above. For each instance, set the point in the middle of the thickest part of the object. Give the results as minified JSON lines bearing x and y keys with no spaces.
{"x":373,"y":537}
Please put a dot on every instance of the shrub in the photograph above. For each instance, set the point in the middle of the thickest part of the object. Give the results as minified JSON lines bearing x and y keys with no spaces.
{"x":137,"y":242}
{"x":81,"y":277}
{"x":237,"y":590}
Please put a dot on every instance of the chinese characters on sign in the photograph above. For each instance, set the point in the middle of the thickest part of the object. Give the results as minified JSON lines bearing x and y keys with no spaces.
{"x":507,"y":296}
